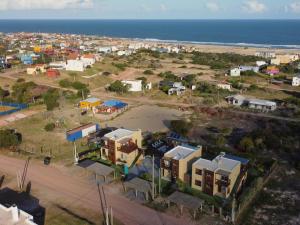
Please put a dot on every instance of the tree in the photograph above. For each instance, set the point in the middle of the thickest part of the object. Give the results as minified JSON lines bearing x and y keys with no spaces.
{"x":118,"y":87}
{"x":144,"y":81}
{"x":8,"y":138}
{"x":50,"y":99}
{"x":246,"y":143}
{"x":181,"y":127}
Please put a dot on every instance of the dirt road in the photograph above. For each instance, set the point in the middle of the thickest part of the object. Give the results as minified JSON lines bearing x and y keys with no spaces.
{"x":59,"y":183}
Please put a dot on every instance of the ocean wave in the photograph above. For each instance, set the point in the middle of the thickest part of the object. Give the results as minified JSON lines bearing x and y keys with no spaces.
{"x":238,"y":44}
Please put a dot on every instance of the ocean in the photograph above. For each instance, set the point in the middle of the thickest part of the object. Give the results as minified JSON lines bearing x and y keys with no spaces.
{"x":256,"y":33}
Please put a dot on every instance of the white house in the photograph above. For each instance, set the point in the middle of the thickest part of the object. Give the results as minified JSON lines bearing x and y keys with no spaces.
{"x":224,"y":86}
{"x":88,"y":59}
{"x":275,"y":61}
{"x":235,"y":72}
{"x":13,"y":215}
{"x":134,"y":85}
{"x":75,"y":65}
{"x":105,"y":50}
{"x":261,"y":63}
{"x":60,"y":65}
{"x":296,"y":81}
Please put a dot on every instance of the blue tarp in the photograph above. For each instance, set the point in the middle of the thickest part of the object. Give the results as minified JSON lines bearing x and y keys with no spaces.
{"x":17,"y":107}
{"x":115,"y":103}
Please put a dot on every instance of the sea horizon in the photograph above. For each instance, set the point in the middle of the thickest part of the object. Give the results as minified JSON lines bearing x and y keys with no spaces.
{"x":259,"y":33}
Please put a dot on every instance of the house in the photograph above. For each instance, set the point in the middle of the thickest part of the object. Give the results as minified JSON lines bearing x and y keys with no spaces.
{"x":265,"y":54}
{"x":58,"y":65}
{"x":122,"y":146}
{"x":27,"y":59}
{"x":134,"y":85}
{"x":88,"y":59}
{"x":262,"y":105}
{"x":82,"y":131}
{"x":296,"y":81}
{"x":177,"y":88}
{"x":36,"y":69}
{"x":111,"y":106}
{"x":260,"y":63}
{"x":235,"y":72}
{"x":15,"y":216}
{"x":75,"y":65}
{"x":177,"y":163}
{"x":105,"y":50}
{"x":237,"y":100}
{"x":275,"y":61}
{"x":53,"y":73}
{"x":249,"y":68}
{"x":90,"y":103}
{"x":272,"y":70}
{"x":216,"y":177}
{"x":224,"y":86}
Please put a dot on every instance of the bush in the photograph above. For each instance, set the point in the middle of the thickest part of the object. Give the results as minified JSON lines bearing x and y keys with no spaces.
{"x":8,"y":138}
{"x":49,"y":127}
{"x":65,"y":83}
{"x":118,"y":87}
{"x":148,"y":72}
{"x":180,"y":126}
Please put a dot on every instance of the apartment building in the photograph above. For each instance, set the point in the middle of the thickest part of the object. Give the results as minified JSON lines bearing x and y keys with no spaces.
{"x":177,"y":163}
{"x":122,"y":146}
{"x":219,"y":176}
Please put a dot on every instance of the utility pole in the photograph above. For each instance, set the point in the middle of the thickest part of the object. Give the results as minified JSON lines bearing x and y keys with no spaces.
{"x":159,"y":181}
{"x":75,"y":154}
{"x":111,"y":216}
{"x":153,"y":178}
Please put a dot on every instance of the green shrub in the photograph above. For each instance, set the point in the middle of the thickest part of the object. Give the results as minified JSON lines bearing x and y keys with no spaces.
{"x":49,"y":127}
{"x":65,"y":83}
{"x":148,"y":72}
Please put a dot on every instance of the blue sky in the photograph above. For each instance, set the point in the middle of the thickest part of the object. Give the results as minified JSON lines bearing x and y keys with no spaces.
{"x":150,"y":9}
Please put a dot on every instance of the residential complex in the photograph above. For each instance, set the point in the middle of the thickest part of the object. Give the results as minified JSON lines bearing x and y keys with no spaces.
{"x":122,"y":146}
{"x":177,"y":162}
{"x":217,"y":176}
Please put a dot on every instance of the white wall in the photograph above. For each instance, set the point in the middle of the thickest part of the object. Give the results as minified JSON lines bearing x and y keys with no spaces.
{"x":75,"y":65}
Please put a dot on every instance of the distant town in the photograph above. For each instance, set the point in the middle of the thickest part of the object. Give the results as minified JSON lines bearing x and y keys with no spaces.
{"x":99,"y":130}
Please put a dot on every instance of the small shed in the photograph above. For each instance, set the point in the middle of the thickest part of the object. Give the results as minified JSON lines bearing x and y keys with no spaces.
{"x":89,"y":103}
{"x":139,"y":185}
{"x":187,"y":201}
{"x":52,"y":73}
{"x":98,"y":169}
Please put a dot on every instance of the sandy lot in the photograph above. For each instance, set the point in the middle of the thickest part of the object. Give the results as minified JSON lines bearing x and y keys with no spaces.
{"x":147,"y":117}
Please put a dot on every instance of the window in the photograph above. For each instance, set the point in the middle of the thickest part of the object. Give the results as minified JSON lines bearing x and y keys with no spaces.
{"x":199,"y":172}
{"x":198,"y":183}
{"x":167,"y":163}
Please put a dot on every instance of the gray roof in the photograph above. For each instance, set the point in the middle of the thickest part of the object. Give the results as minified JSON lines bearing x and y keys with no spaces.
{"x":220,"y":163}
{"x":185,"y":200}
{"x":139,"y":184}
{"x":238,"y":97}
{"x":261,"y":102}
{"x":180,"y":152}
{"x":119,"y":134}
{"x":91,"y":100}
{"x":100,"y":169}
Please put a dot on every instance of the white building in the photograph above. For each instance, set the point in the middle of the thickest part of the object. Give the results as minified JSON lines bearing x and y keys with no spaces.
{"x":105,"y":50}
{"x":275,"y":61}
{"x":224,"y":86}
{"x":88,"y":60}
{"x":58,"y":65}
{"x":266,"y":54}
{"x":14,"y":216}
{"x":75,"y":65}
{"x":261,"y":63}
{"x":296,"y":81}
{"x":134,"y":85}
{"x":236,"y":72}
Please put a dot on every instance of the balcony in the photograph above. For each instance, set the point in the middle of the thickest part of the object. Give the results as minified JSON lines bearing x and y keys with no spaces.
{"x":128,"y":148}
{"x":225,"y":183}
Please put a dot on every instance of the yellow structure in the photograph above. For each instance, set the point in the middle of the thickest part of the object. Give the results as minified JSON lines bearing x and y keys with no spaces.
{"x":218,"y":176}
{"x":89,"y":103}
{"x":36,"y":69}
{"x":37,"y":49}
{"x":122,"y":146}
{"x":177,"y":162}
